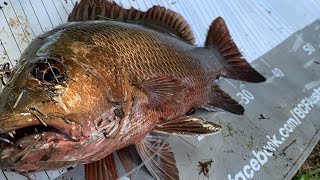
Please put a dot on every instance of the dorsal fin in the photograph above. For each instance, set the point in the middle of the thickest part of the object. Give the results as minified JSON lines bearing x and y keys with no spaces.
{"x":156,"y":16}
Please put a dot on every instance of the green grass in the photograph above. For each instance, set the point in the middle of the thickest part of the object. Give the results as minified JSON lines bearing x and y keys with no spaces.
{"x":310,"y":169}
{"x":312,"y":175}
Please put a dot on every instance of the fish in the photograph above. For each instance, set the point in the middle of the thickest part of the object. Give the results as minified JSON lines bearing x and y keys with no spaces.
{"x":113,"y":77}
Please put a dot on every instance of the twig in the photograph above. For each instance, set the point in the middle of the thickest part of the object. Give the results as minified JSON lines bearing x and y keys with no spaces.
{"x":40,"y":119}
{"x":5,"y":140}
{"x":18,"y":99}
{"x":284,"y":149}
{"x":102,"y":17}
{"x":27,"y":150}
{"x":53,"y":72}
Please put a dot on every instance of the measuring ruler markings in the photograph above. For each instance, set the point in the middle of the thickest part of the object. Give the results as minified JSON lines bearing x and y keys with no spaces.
{"x":243,"y":93}
{"x":302,"y":109}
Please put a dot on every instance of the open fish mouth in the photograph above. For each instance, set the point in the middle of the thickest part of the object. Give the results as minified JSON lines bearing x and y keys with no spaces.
{"x":30,"y":148}
{"x":18,"y":144}
{"x":12,"y":137}
{"x":24,"y":138}
{"x":14,"y":128}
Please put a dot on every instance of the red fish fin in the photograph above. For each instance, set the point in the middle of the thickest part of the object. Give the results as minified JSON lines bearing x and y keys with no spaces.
{"x":158,"y":17}
{"x":188,"y":125}
{"x":163,"y":90}
{"x":221,"y":100}
{"x":157,"y":156}
{"x":171,"y":21}
{"x":126,"y":160}
{"x":235,"y":65}
{"x":102,"y":170}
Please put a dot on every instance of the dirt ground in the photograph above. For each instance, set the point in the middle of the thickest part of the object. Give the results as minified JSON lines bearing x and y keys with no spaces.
{"x":312,"y":163}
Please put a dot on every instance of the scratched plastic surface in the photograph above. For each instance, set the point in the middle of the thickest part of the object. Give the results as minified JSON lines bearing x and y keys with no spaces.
{"x":257,"y":27}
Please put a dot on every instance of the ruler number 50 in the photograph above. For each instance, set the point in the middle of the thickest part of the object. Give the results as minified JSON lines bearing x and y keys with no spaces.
{"x":246,"y":96}
{"x":308,"y":48}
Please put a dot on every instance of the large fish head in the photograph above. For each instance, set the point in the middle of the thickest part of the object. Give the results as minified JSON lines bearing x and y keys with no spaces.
{"x":53,"y":112}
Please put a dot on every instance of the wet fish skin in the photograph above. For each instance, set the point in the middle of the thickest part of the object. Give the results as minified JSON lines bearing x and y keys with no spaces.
{"x":92,"y":53}
{"x":103,"y":85}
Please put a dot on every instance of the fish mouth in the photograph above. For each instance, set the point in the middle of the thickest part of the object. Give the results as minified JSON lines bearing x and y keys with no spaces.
{"x":30,"y":142}
{"x":17,"y":133}
{"x":18,"y":126}
{"x":24,"y":149}
{"x":12,"y":137}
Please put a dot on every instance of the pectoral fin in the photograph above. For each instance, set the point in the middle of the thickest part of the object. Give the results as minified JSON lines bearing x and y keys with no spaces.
{"x":221,"y":100}
{"x":163,"y":90}
{"x":156,"y":154}
{"x":189,"y":126}
{"x":126,"y":160}
{"x":106,"y":169}
{"x":102,"y":170}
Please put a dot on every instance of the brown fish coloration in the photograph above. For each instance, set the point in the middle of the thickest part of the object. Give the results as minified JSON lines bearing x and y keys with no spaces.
{"x":108,"y":78}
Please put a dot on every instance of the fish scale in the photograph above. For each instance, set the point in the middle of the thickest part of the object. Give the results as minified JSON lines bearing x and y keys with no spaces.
{"x":167,"y":60}
{"x":98,"y":85}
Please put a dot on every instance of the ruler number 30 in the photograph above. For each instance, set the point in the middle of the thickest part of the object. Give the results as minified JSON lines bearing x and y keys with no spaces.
{"x":245,"y":96}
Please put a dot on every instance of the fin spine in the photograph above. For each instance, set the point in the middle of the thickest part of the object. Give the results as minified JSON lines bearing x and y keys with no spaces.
{"x":156,"y":16}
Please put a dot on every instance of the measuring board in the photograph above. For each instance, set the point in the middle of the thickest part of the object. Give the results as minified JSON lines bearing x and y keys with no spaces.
{"x":257,"y":27}
{"x":281,"y":122}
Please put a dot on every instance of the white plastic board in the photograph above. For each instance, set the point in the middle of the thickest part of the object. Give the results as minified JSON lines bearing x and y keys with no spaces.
{"x":256,"y":26}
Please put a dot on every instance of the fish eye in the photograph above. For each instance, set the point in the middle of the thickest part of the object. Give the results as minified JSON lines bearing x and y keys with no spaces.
{"x":50,"y":71}
{"x":51,"y":74}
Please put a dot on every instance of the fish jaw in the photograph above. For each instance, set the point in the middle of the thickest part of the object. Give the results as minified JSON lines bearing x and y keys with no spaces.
{"x":50,"y":150}
{"x":57,"y":145}
{"x":27,"y":145}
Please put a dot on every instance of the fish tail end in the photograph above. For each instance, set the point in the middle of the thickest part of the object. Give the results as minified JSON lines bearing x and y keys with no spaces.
{"x":235,"y":65}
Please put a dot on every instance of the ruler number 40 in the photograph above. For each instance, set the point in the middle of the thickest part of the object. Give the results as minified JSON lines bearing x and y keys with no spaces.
{"x":245,"y":96}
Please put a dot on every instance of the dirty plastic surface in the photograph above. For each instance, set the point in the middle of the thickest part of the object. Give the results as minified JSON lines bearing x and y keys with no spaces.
{"x":280,"y":126}
{"x":292,"y":69}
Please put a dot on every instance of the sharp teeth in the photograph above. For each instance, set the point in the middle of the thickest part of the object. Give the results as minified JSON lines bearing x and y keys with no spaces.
{"x":11,"y":134}
{"x":14,"y":131}
{"x":35,"y":130}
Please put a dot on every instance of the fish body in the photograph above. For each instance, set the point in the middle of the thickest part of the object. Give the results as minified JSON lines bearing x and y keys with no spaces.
{"x":88,"y":88}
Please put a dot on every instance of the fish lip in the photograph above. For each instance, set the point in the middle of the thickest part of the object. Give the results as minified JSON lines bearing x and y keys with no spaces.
{"x":22,"y":120}
{"x":11,"y":157}
{"x":56,"y":132}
